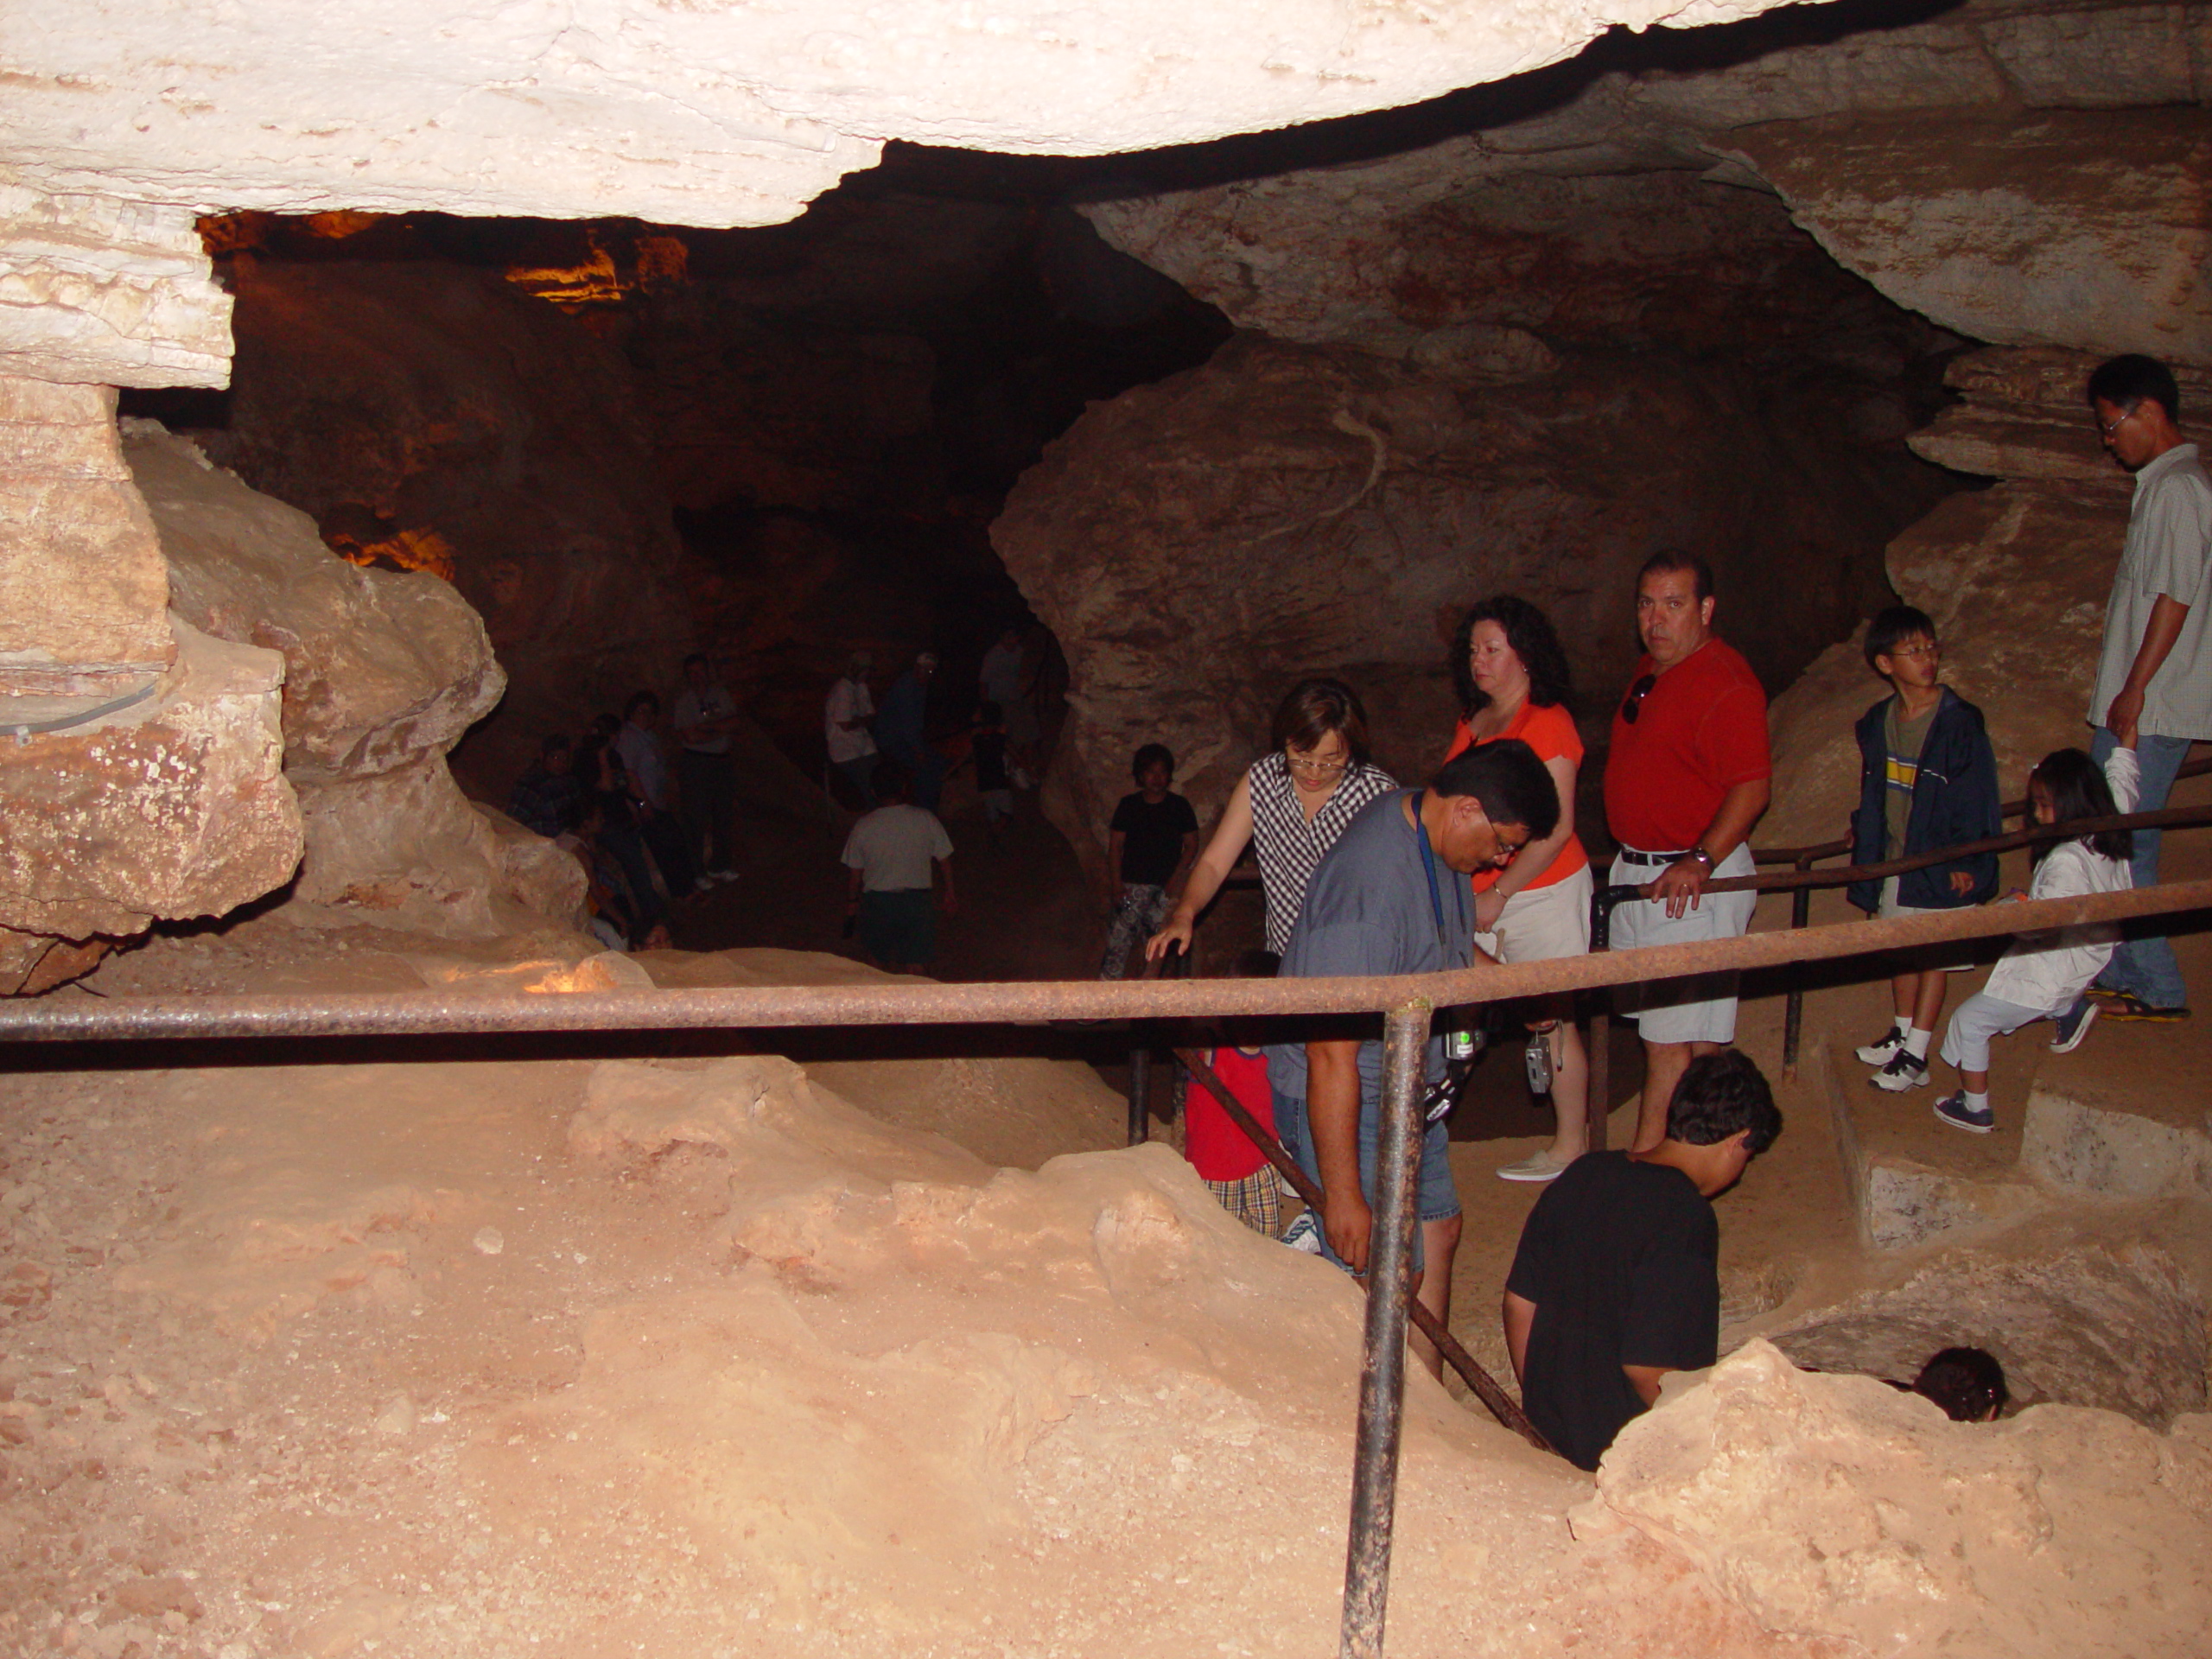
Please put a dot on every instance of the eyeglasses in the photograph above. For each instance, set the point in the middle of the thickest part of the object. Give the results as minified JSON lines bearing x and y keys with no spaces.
{"x":2107,"y":431}
{"x":1313,"y":768}
{"x":1911,"y":653}
{"x":1637,"y":694}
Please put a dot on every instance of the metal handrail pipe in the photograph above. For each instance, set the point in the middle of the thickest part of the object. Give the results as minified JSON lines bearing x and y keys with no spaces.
{"x":2169,"y":818}
{"x":922,"y":1002}
{"x":1837,"y":848}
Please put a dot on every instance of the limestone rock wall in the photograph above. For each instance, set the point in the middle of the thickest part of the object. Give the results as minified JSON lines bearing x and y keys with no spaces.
{"x":2015,"y":577}
{"x":1201,"y":544}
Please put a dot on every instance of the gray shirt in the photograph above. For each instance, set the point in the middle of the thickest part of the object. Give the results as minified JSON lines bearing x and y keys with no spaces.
{"x":2168,"y":550}
{"x":693,"y":708}
{"x":891,"y":848}
{"x":1368,"y":910}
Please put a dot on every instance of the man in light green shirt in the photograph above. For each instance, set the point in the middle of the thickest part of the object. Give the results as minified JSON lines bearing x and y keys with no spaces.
{"x":2154,"y":673}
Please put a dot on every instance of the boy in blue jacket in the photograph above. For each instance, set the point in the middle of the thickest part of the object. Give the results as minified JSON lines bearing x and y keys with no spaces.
{"x":1927,"y":779}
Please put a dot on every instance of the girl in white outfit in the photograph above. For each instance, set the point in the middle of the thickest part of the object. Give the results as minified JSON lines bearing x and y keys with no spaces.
{"x":2043,"y":974}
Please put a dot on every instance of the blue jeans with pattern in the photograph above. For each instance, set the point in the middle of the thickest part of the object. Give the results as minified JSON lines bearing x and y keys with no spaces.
{"x":1142,"y":912}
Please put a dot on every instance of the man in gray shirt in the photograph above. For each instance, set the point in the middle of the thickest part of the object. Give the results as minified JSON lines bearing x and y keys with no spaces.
{"x":1390,"y":897}
{"x":2154,"y":673}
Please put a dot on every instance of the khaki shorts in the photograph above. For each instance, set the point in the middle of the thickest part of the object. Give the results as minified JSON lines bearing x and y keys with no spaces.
{"x":1699,"y":1010}
{"x":1543,"y":924}
{"x":1886,"y":908}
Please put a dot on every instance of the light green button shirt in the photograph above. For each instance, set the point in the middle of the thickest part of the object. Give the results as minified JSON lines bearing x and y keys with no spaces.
{"x":2168,"y":550}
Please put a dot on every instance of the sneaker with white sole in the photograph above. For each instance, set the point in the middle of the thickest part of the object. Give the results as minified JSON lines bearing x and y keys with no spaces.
{"x":1905,"y":1070}
{"x":1883,"y":1050}
{"x":2073,"y":1026}
{"x":1954,"y":1111}
{"x":1305,"y":1233}
{"x":1537,"y":1166}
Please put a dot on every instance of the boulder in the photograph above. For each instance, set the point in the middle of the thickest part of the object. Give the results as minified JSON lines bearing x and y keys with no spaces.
{"x":384,"y":670}
{"x":173,"y":808}
{"x":1836,"y":1510}
{"x":1201,"y":544}
{"x":380,"y":666}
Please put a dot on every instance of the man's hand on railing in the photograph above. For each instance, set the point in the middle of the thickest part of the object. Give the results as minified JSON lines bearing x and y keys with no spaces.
{"x":1347,"y":1221}
{"x":1680,"y":886}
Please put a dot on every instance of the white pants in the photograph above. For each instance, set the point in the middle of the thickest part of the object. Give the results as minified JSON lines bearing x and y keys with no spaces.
{"x":1980,"y":1017}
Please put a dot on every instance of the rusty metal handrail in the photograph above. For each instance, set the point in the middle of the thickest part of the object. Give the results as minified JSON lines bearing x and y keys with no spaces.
{"x":1805,"y":857}
{"x":364,"y":1013}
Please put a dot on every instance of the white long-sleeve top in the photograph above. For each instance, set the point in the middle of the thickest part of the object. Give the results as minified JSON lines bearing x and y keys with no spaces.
{"x":2047,"y":971}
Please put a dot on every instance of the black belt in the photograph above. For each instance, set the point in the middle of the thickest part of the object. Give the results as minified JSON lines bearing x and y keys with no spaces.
{"x":1629,"y":856}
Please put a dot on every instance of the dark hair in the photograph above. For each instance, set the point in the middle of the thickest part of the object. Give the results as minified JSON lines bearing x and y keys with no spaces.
{"x":1529,"y":633}
{"x":1150,"y":755}
{"x":1892,"y":627}
{"x":1721,"y":1095}
{"x":698,"y":657}
{"x":2125,"y":381}
{"x":891,"y":780}
{"x":1673,"y":558}
{"x":1507,"y":780}
{"x":641,"y":700}
{"x":2078,"y":790}
{"x":1317,"y":706}
{"x":1967,"y":1383}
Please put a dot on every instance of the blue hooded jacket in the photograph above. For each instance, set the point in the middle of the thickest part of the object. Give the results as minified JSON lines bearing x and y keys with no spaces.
{"x":1953,"y":800}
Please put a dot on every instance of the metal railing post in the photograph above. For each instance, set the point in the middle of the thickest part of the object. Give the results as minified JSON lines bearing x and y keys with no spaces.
{"x":1382,"y":1357}
{"x":1793,"y":1007}
{"x":1140,"y":1089}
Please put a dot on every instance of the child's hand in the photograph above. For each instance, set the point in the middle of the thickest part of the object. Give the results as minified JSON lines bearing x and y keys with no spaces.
{"x":1961,"y":883}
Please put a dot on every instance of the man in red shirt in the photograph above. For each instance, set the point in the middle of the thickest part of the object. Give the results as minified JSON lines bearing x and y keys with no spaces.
{"x":1687,"y":777}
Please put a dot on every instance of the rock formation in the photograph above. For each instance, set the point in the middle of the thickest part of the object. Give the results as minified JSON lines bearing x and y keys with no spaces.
{"x":141,"y":777}
{"x":383,"y":672}
{"x":1836,"y":1510}
{"x":1202,"y":544}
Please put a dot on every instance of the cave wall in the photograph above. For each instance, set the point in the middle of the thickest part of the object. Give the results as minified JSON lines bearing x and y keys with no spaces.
{"x":1657,"y":224}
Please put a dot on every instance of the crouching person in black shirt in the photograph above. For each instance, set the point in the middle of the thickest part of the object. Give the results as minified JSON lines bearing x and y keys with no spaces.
{"x":1617,"y":1281}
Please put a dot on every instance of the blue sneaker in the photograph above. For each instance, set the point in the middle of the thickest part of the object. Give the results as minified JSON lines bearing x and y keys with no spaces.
{"x":2073,"y":1026}
{"x":1954,"y":1111}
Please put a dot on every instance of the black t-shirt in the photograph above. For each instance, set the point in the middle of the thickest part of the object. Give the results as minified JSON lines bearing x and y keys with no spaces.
{"x":1155,"y":831}
{"x":1622,"y":1260}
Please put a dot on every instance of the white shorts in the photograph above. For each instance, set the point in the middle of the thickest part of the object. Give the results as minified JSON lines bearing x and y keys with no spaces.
{"x":1698,"y":1010}
{"x":1543,"y":924}
{"x":1886,"y":908}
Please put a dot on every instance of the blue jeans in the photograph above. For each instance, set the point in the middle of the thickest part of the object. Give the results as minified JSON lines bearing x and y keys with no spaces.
{"x":2145,"y":968}
{"x":1436,"y":1199}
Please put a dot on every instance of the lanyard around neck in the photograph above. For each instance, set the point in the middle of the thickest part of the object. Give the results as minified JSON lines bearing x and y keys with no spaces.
{"x":1435,"y":895}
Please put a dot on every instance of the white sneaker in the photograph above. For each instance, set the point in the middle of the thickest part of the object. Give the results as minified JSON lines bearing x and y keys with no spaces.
{"x":1903,"y":1072}
{"x":721,"y":875}
{"x":701,"y":883}
{"x":1305,"y":1233}
{"x":1883,"y":1049}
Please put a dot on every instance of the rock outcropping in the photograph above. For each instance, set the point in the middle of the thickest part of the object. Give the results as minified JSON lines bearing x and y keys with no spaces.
{"x":384,"y":670}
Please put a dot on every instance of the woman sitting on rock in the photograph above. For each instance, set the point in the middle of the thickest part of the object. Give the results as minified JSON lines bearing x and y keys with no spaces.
{"x":1512,"y":678}
{"x":1289,"y":807}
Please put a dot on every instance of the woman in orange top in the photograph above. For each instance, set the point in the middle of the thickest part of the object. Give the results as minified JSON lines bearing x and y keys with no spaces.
{"x":1512,"y":678}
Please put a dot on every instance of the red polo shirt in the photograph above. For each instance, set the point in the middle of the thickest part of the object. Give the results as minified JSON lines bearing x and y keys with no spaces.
{"x":1701,"y":730}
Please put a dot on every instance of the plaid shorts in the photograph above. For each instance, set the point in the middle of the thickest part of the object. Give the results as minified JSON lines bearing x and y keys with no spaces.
{"x":1256,"y":1200}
